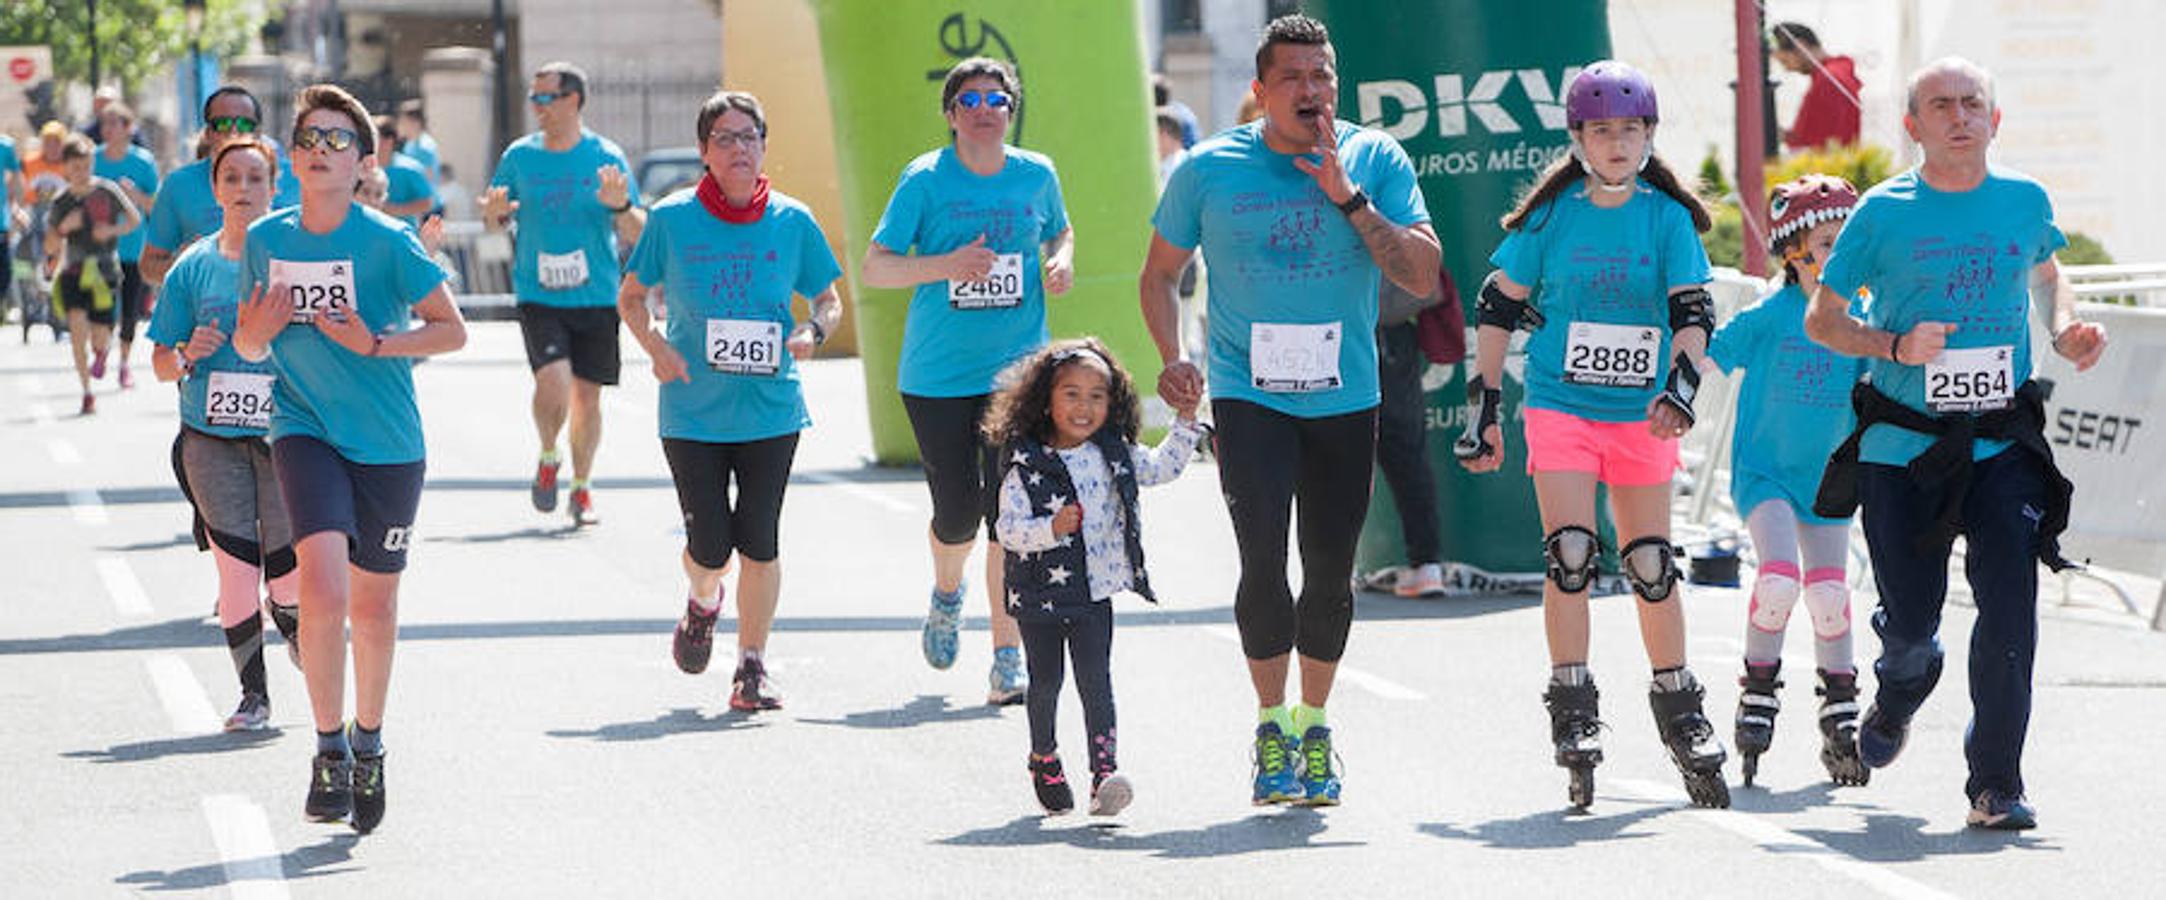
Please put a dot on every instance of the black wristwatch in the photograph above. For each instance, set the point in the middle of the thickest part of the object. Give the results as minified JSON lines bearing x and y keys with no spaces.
{"x":819,"y":335}
{"x":1354,"y":203}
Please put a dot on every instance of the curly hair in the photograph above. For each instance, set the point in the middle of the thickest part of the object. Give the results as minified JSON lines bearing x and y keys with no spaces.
{"x":1022,"y":407}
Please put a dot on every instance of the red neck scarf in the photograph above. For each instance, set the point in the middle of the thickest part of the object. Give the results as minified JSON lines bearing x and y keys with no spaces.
{"x":710,"y":196}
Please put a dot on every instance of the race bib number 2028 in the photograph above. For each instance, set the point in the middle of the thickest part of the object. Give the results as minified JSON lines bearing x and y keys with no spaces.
{"x":317,"y":285}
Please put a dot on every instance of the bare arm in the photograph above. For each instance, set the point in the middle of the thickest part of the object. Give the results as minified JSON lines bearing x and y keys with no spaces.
{"x":2076,"y":340}
{"x":1160,"y":287}
{"x":1829,"y":323}
{"x":629,"y":224}
{"x":442,"y":328}
{"x":886,"y":268}
{"x":154,"y":263}
{"x":1409,"y":256}
{"x":1059,"y":257}
{"x":667,"y":363}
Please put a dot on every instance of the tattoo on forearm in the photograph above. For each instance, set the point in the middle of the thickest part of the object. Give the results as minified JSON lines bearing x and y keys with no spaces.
{"x":1387,"y":245}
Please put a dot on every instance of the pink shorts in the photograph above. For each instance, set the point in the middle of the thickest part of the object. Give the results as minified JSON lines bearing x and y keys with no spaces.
{"x":1619,"y":453}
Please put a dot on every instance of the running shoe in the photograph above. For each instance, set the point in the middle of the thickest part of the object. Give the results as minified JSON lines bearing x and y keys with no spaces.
{"x":693,"y":643}
{"x":582,"y":509}
{"x":1110,"y":793}
{"x":126,"y":380}
{"x":1881,"y":737}
{"x":1009,"y":685}
{"x":254,"y":714}
{"x":330,"y":787}
{"x":368,"y":792}
{"x":1319,"y":768}
{"x":1051,"y":784}
{"x":97,"y":365}
{"x":1276,"y":781}
{"x":1425,"y":580}
{"x":1995,"y":811}
{"x":943,"y":619}
{"x":545,"y":486}
{"x":751,"y":690}
{"x":287,"y":619}
{"x":90,"y":403}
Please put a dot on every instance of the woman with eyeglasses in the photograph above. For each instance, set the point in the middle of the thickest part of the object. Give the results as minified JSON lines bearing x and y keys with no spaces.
{"x":978,"y":230}
{"x":728,"y":255}
{"x":331,"y":288}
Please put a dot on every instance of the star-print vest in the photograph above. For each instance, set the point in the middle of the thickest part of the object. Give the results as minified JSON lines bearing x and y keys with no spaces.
{"x":1058,"y":576}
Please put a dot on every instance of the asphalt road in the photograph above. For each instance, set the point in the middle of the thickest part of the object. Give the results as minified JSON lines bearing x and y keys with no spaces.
{"x":542,"y":743}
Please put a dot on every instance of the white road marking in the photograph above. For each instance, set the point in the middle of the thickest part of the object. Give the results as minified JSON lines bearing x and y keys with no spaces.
{"x":63,"y":452}
{"x":861,"y":492}
{"x":87,"y":507}
{"x":245,"y":849}
{"x":122,"y":586}
{"x":186,"y":705}
{"x":1373,"y":683}
{"x":1775,"y":839}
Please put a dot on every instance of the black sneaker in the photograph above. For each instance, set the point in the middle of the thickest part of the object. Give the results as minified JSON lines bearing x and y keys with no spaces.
{"x":368,"y":792}
{"x":1054,"y":794}
{"x":694,"y":641}
{"x":751,"y":690}
{"x":330,"y":788}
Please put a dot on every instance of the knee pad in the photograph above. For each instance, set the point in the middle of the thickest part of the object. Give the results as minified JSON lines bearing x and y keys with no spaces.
{"x":1773,"y":596}
{"x":1829,"y":603}
{"x":1650,"y":564}
{"x":1571,"y":553}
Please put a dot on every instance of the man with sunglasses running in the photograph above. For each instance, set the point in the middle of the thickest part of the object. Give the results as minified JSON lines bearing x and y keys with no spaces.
{"x":184,"y":208}
{"x":572,"y":197}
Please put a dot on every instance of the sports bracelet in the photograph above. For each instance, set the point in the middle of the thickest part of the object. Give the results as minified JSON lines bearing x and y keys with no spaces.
{"x":819,"y":335}
{"x":1895,"y":349}
{"x":376,"y":343}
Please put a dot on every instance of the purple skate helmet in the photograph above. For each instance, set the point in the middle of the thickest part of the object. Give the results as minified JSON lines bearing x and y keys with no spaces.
{"x":1609,"y":89}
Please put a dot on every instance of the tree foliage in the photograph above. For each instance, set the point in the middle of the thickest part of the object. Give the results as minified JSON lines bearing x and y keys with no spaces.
{"x":136,"y":38}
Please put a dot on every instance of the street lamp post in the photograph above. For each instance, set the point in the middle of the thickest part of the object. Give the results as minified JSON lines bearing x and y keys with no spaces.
{"x":194,"y":11}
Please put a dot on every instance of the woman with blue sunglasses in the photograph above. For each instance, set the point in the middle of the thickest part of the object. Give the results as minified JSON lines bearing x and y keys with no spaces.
{"x":979,"y":231}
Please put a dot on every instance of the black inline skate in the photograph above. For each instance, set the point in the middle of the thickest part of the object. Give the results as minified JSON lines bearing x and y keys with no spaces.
{"x":1575,"y":725}
{"x":1756,"y":709}
{"x":1839,"y":729}
{"x":1692,"y":744}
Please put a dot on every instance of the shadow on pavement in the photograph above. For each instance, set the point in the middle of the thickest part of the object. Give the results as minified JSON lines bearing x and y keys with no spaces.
{"x":217,"y":742}
{"x":325,"y":858}
{"x":682,"y":720}
{"x":1551,"y":829}
{"x":1896,"y":838}
{"x":531,"y":533}
{"x":179,"y":539}
{"x":1294,"y":828}
{"x":925,"y":709}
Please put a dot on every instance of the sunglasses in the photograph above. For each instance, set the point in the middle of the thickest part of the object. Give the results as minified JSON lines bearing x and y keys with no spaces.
{"x":544,"y":98}
{"x":309,"y":137}
{"x":992,"y":99}
{"x":233,"y":125}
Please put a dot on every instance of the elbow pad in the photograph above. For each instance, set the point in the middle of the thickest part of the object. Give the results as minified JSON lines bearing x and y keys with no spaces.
{"x":1690,"y":308}
{"x":1494,"y":307}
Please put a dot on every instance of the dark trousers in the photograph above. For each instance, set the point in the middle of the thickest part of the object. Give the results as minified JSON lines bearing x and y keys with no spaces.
{"x":1402,"y":446}
{"x":2000,"y":517}
{"x":1271,"y":464}
{"x":1087,"y":639}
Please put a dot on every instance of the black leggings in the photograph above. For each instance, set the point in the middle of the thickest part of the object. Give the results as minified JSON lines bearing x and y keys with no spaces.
{"x":960,"y":469}
{"x":1088,"y":638}
{"x":714,"y":526}
{"x":129,"y":295}
{"x":1267,"y":462}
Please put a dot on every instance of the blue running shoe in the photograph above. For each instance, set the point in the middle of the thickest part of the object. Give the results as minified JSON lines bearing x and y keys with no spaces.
{"x":1996,"y":811}
{"x":1275,"y":778}
{"x":1881,"y":738}
{"x":1319,"y":768}
{"x":942,"y":621}
{"x":1007,"y":685}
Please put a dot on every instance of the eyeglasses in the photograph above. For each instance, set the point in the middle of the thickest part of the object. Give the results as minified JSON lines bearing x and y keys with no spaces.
{"x":309,"y":137}
{"x":993,"y":99}
{"x":544,"y":98}
{"x":724,"y":139}
{"x":233,"y":125}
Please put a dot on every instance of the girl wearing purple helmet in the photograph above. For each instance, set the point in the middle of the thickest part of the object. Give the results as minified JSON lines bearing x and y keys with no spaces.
{"x":1602,"y":263}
